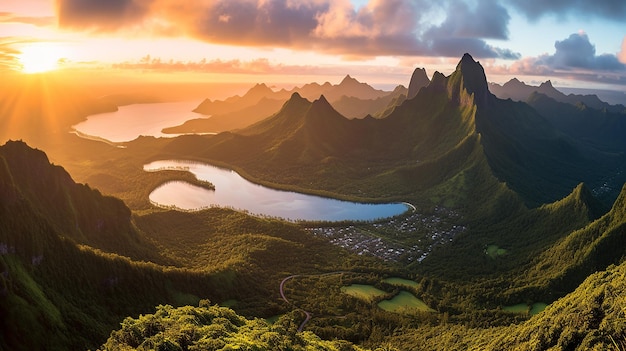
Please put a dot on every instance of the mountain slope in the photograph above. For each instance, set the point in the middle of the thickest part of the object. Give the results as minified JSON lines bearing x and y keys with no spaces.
{"x":589,"y":318}
{"x":80,"y":213}
{"x":354,"y":98}
{"x":353,"y":107}
{"x":601,"y":128}
{"x":582,"y":252}
{"x":419,"y":79}
{"x":51,"y":287}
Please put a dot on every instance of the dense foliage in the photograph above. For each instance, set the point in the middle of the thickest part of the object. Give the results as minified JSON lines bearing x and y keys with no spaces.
{"x":214,"y":328}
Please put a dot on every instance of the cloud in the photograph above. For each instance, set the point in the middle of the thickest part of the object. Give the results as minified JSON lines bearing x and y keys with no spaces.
{"x":8,"y":17}
{"x":607,"y":9}
{"x":456,"y":47}
{"x":576,"y":51}
{"x":487,"y":19}
{"x":102,"y":15}
{"x":381,"y":27}
{"x":9,"y":54}
{"x":622,"y":53}
{"x":574,"y":58}
{"x":254,"y":66}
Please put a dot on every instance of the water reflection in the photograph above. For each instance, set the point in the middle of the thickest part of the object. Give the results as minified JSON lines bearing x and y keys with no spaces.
{"x":232,"y":190}
{"x":131,"y":121}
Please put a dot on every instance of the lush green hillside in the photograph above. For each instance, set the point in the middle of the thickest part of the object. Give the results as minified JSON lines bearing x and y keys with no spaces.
{"x":590,"y":318}
{"x":59,"y":289}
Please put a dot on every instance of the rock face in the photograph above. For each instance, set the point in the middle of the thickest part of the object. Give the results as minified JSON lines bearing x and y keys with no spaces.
{"x":419,"y":79}
{"x":473,"y":80}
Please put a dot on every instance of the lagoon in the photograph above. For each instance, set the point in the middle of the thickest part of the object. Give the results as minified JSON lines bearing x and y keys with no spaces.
{"x":132,"y":121}
{"x":232,"y":190}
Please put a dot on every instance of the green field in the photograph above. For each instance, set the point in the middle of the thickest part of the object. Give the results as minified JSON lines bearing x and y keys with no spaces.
{"x":494,"y":251}
{"x":363,"y":292}
{"x":404,"y":302}
{"x":532,"y":310}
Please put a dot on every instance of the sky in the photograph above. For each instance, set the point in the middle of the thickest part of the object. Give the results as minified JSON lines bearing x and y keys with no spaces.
{"x":575,"y":43}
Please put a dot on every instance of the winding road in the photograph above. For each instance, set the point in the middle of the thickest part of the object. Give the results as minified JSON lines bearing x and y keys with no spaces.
{"x":307,"y":313}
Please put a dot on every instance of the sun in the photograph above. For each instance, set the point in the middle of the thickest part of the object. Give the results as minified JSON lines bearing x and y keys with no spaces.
{"x":39,"y":57}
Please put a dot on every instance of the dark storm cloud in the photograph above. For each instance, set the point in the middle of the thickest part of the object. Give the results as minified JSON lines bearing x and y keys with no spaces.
{"x":272,"y":22}
{"x":574,"y":58}
{"x":389,"y":27}
{"x":576,"y":51}
{"x":486,"y":20}
{"x":535,"y":9}
{"x":465,"y":27}
{"x":456,"y":47}
{"x":101,"y":14}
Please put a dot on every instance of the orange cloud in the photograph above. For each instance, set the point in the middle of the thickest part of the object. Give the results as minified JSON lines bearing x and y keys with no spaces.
{"x":622,"y":54}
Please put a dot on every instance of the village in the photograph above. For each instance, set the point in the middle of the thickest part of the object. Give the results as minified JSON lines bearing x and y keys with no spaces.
{"x":404,"y":239}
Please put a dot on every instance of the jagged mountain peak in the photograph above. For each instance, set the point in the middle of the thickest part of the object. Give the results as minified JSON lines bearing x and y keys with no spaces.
{"x":419,"y":79}
{"x":294,"y":101}
{"x":322,"y":102}
{"x":546,"y":84}
{"x":260,"y":88}
{"x":348,"y":80}
{"x":321,"y":108}
{"x":472,"y":76}
{"x":514,"y":82}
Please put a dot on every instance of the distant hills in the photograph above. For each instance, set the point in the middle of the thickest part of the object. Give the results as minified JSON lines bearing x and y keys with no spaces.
{"x":351,"y":97}
{"x":520,"y":91}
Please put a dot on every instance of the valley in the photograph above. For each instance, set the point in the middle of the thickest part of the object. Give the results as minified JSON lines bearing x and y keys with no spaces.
{"x":509,"y":213}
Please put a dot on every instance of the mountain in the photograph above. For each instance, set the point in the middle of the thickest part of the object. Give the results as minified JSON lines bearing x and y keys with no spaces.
{"x":519,"y":91}
{"x":594,"y":247}
{"x":599,"y":127}
{"x":236,"y":103}
{"x":347,"y":87}
{"x":353,"y":107}
{"x":64,"y":283}
{"x":354,"y":98}
{"x":81,"y":213}
{"x":587,"y":318}
{"x":419,"y":79}
{"x":232,"y":120}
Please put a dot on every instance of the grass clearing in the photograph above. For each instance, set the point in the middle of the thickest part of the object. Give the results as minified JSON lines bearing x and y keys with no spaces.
{"x":404,"y":302}
{"x":363,"y":292}
{"x":532,"y":310}
{"x":494,"y":251}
